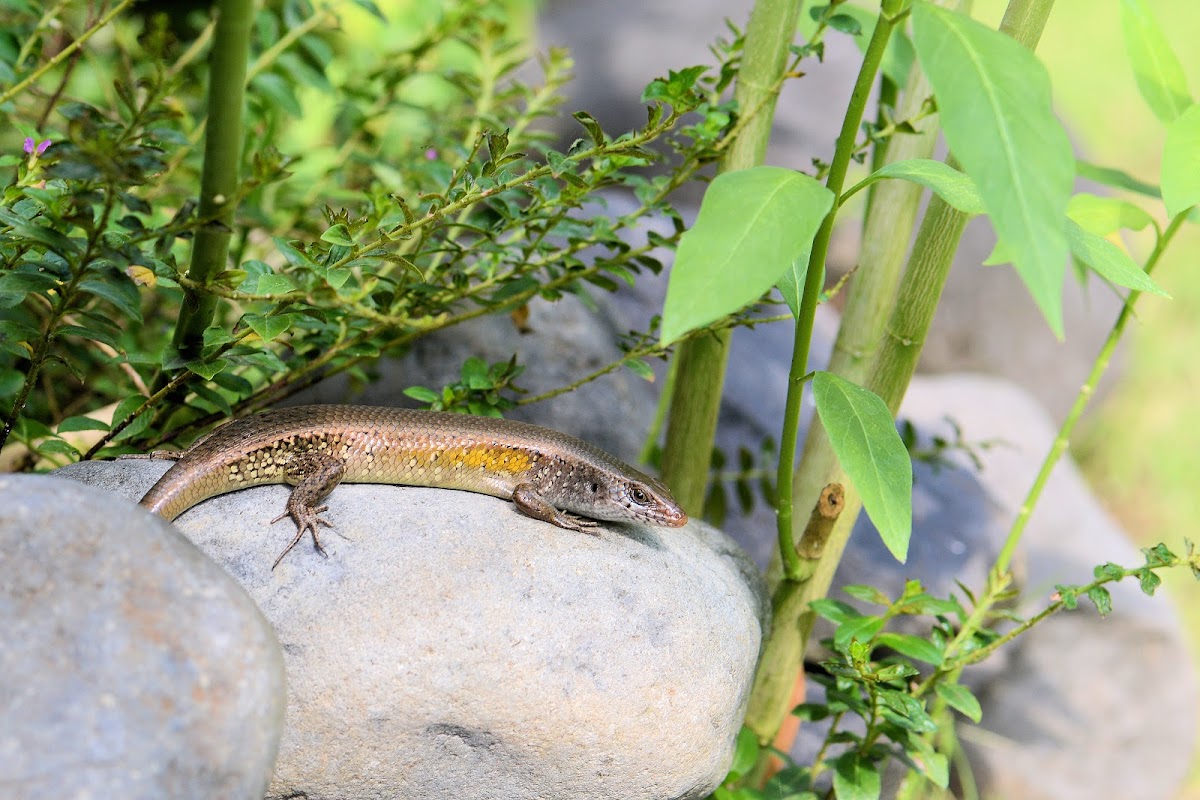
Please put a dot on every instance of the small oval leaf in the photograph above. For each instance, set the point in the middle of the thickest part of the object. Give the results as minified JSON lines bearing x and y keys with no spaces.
{"x":864,"y":438}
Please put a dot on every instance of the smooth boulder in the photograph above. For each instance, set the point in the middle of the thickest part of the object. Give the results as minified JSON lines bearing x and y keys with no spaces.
{"x":450,"y":647}
{"x":133,"y":666}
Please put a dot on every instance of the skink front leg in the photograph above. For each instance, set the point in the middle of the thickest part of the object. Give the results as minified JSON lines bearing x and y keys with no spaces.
{"x":314,"y":475}
{"x":532,"y":504}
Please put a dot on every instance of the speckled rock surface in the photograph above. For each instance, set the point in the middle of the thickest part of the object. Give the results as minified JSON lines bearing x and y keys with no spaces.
{"x":453,"y":648}
{"x":133,"y":666}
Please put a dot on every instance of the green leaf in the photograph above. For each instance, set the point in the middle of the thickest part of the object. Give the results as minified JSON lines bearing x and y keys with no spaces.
{"x":862,"y":629}
{"x":994,"y":99}
{"x":338,"y":234}
{"x":753,"y":225}
{"x":1118,"y":179}
{"x":864,"y":438}
{"x":855,"y":778}
{"x":868,"y":594}
{"x":71,"y":424}
{"x":745,"y":753}
{"x":835,"y":611}
{"x":422,"y":395}
{"x":791,"y":285}
{"x":42,"y":234}
{"x":961,"y":699}
{"x":1159,"y":75}
{"x":640,"y":368}
{"x":1101,"y":598}
{"x":15,"y":337}
{"x":278,"y":92}
{"x":370,"y":7}
{"x":910,"y":712}
{"x":1181,"y":163}
{"x":126,"y":407}
{"x":912,"y":646}
{"x":273,"y":284}
{"x":1149,"y":581}
{"x":1109,"y":261}
{"x":953,"y":186}
{"x":207,"y":369}
{"x":269,"y":327}
{"x":591,"y":126}
{"x":54,"y":446}
{"x":1105,"y":215}
{"x":117,"y":289}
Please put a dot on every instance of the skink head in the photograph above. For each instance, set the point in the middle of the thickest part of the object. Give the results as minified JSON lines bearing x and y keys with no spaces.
{"x":647,"y":501}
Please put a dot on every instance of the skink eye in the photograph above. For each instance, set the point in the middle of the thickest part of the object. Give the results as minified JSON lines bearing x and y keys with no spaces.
{"x":639,"y":496}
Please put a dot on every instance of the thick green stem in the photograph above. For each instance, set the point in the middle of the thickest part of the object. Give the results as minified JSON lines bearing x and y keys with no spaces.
{"x":219,"y":181}
{"x":701,"y":375}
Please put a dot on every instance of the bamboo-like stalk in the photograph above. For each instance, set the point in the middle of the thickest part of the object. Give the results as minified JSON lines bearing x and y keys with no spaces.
{"x":219,"y":180}
{"x":697,"y":392}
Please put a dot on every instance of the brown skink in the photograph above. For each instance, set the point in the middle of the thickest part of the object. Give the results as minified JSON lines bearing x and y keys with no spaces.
{"x":548,"y":475}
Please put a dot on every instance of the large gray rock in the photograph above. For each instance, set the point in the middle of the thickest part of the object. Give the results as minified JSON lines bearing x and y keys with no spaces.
{"x":133,"y":666}
{"x":453,"y":648}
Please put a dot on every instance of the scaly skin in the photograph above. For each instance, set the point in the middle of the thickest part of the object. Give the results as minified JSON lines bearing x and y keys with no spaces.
{"x":548,"y":475}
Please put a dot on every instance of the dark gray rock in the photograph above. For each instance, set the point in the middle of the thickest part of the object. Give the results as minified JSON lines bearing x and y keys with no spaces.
{"x":133,"y":666}
{"x":451,"y":647}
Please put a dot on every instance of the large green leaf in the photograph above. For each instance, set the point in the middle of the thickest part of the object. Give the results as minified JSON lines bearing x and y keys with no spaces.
{"x":855,"y":778}
{"x":954,"y":187}
{"x":753,"y":225}
{"x":1181,"y":163}
{"x":994,"y":99}
{"x":1159,"y":75}
{"x":1109,"y":261}
{"x":864,"y":437}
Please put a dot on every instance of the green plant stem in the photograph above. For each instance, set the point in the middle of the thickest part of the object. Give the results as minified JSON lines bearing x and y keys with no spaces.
{"x":814,"y":280}
{"x":696,"y":399}
{"x":65,"y":53}
{"x":1099,"y":366}
{"x":893,"y":207}
{"x":888,"y":375}
{"x":219,"y":180}
{"x":783,"y":650}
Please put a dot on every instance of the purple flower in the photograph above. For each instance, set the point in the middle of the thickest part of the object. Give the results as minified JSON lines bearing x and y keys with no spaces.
{"x":431,"y":154}
{"x":35,"y":148}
